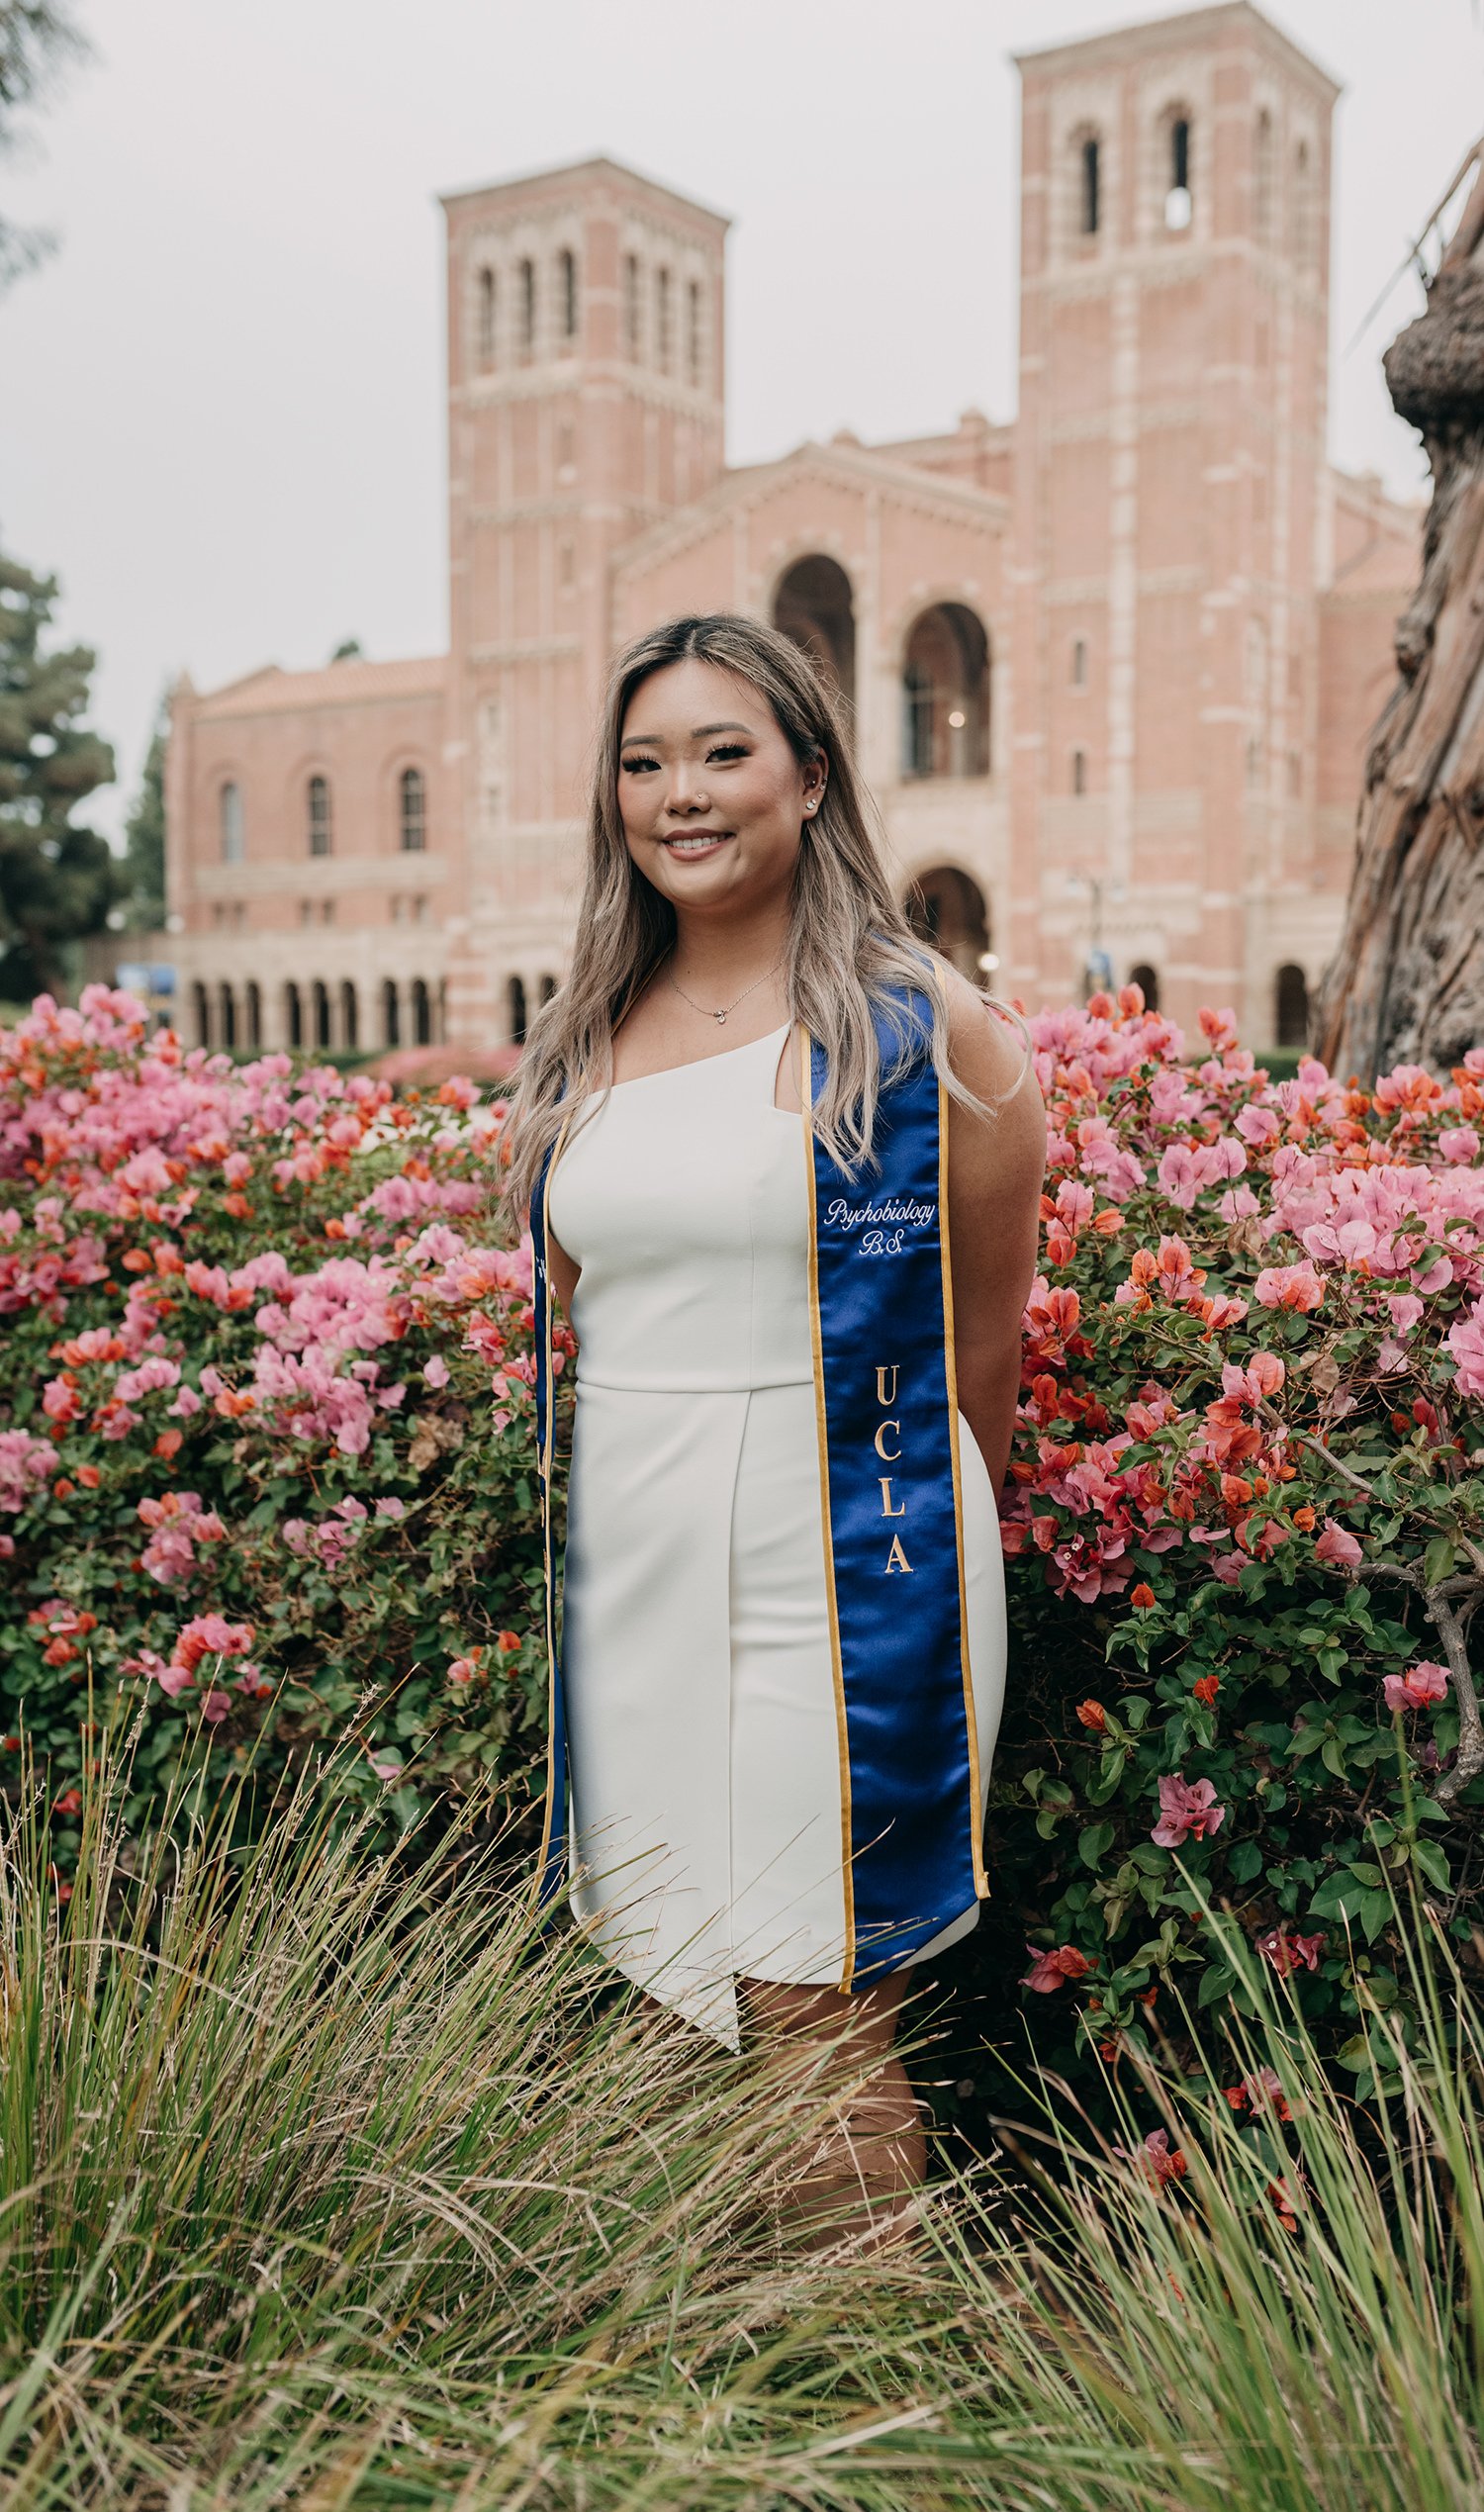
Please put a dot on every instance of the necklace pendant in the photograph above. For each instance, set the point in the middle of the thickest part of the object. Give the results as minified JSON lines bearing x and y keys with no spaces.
{"x":719,"y":1018}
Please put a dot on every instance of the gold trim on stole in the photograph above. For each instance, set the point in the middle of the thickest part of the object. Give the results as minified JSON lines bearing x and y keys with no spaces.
{"x":976,"y":1816}
{"x":817,"y":1341}
{"x":545,"y":1443}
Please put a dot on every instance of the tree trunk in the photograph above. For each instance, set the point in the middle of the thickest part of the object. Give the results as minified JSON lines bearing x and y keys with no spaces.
{"x":1407,"y":982}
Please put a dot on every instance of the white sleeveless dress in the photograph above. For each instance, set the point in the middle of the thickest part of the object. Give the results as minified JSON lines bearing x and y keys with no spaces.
{"x":703,"y":1747}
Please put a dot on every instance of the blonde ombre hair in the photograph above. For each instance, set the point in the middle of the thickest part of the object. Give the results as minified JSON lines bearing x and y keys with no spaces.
{"x":851,"y":956}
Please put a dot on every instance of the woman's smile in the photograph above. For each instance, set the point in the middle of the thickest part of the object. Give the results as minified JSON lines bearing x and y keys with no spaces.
{"x":689,"y":843}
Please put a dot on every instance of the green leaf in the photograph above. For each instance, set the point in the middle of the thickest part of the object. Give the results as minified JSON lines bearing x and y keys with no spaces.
{"x":1245,"y":1861}
{"x":1332,"y":1754}
{"x":1429,"y":1855}
{"x":1439,"y":1560}
{"x":1094,"y":1843}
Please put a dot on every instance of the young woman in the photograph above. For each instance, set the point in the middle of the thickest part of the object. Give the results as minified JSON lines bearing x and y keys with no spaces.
{"x":783,"y":1166}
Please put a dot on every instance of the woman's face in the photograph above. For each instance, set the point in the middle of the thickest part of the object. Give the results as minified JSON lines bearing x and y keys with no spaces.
{"x":712,"y":796}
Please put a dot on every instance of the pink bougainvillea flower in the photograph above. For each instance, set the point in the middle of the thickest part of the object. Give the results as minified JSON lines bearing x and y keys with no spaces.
{"x":1420,"y":1685}
{"x":1290,"y":1953}
{"x":1336,"y":1546}
{"x":1465,"y":1341}
{"x":1187,"y":1810}
{"x":1156,"y":2160}
{"x":1295,"y":1287}
{"x":1049,"y":1969}
{"x":1458,"y":1143}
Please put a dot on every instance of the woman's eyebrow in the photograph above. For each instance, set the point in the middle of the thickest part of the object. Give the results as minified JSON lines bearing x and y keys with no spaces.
{"x":698,"y":732}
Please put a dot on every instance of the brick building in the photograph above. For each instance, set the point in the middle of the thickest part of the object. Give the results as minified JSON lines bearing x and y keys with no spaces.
{"x":1110,"y":667}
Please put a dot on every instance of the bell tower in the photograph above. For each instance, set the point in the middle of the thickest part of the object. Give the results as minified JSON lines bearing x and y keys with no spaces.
{"x":1171,"y":468}
{"x":584,"y":403}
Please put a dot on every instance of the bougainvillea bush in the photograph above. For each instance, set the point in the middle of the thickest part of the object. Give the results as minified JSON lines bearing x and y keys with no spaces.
{"x":266,"y":1479}
{"x":265,"y":1457}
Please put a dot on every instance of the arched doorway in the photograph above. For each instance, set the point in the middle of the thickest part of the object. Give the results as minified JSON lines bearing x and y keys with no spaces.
{"x":945,"y":727}
{"x":948,"y":910}
{"x":515,"y":1012}
{"x":421,"y":1013}
{"x":391,"y":1013}
{"x":1291,"y":1005}
{"x":320,"y":998}
{"x":349,"y":1016}
{"x":814,"y":606}
{"x":1147,"y":978}
{"x":292,"y":1013}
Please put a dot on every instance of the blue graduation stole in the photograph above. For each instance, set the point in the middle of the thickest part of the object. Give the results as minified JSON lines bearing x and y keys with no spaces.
{"x":881,"y":1301}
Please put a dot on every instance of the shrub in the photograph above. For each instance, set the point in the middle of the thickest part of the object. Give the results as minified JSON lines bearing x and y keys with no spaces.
{"x":267,"y":1468}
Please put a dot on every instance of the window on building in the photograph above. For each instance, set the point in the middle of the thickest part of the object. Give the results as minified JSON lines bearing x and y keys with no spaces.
{"x":1078,"y":662}
{"x":350,"y":1016}
{"x":566,"y":566}
{"x":293,"y":1014}
{"x":1148,"y":982}
{"x":484,"y":338}
{"x":548,"y":989}
{"x":411,"y":810}
{"x":1262,"y":178}
{"x":1178,"y":197}
{"x":421,"y":1013}
{"x":254,"y":1003}
{"x":229,"y":1004}
{"x":201,"y":1002}
{"x":320,"y":1005}
{"x":1291,"y":1005}
{"x":391,"y":1013}
{"x":1303,"y":204}
{"x":662,"y":342}
{"x":632,"y":312}
{"x":1091,"y":192}
{"x":527,"y":278}
{"x":306,"y":911}
{"x":1079,"y":772}
{"x":420,"y":909}
{"x":230,"y":821}
{"x":567,"y":292}
{"x":319,"y":816}
{"x":327,"y":912}
{"x":946,"y":695}
{"x":694,"y":362}
{"x":515,"y":999}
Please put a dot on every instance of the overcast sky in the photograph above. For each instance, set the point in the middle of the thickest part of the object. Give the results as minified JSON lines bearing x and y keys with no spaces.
{"x":221,"y":418}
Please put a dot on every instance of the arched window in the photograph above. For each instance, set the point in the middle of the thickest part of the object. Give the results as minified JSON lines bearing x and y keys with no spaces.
{"x":293,"y":1014}
{"x":254,"y":1014}
{"x":1079,"y":771}
{"x":488,"y":305}
{"x":1303,"y":204}
{"x":1090,"y":200}
{"x":631,"y":316}
{"x":391,"y":1013}
{"x":411,"y":810}
{"x":421,"y":1014}
{"x":662,"y":342}
{"x":567,"y":292}
{"x":319,"y":816}
{"x":1291,"y":1005}
{"x":694,"y":360}
{"x":230,"y":817}
{"x":948,"y":910}
{"x":229,"y":1004}
{"x":1262,"y":178}
{"x":1178,"y":196}
{"x":1078,"y":662}
{"x":946,"y":695}
{"x":201,"y":1001}
{"x":814,"y":606}
{"x":319,"y":999}
{"x":548,"y":989}
{"x":515,"y":999}
{"x":349,"y":1016}
{"x":1148,"y":982}
{"x":528,"y":277}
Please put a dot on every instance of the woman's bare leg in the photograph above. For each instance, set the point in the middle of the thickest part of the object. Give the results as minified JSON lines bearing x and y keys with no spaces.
{"x":861,"y":2157}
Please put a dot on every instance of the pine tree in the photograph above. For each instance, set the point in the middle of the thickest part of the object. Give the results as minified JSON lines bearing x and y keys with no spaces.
{"x":144,"y":835}
{"x":35,"y":38}
{"x":57,"y":883}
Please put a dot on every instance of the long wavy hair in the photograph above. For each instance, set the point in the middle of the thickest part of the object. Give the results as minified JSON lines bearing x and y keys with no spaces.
{"x":854,"y":970}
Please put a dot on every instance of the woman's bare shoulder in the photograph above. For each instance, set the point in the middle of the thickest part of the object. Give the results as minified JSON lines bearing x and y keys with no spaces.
{"x":990,"y":1053}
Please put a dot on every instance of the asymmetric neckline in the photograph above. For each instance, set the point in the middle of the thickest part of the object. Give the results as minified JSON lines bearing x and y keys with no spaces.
{"x":663,"y":1071}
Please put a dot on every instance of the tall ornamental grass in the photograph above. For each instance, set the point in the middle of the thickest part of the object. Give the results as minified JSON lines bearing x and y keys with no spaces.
{"x":324,"y":2183}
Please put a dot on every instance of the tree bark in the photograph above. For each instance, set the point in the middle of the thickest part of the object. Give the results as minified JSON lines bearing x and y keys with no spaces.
{"x":1407,"y":982}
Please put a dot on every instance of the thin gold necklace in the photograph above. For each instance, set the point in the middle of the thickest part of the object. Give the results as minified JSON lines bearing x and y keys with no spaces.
{"x":704,"y":1008}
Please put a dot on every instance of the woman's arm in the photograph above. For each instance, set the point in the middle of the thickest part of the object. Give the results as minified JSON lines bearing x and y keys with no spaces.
{"x":995,"y":1168}
{"x":564,"y":1273}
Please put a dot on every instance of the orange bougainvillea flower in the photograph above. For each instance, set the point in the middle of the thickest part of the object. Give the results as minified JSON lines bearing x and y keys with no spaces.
{"x":1092,"y":1714}
{"x":1142,"y":1597}
{"x":1207,"y":1687}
